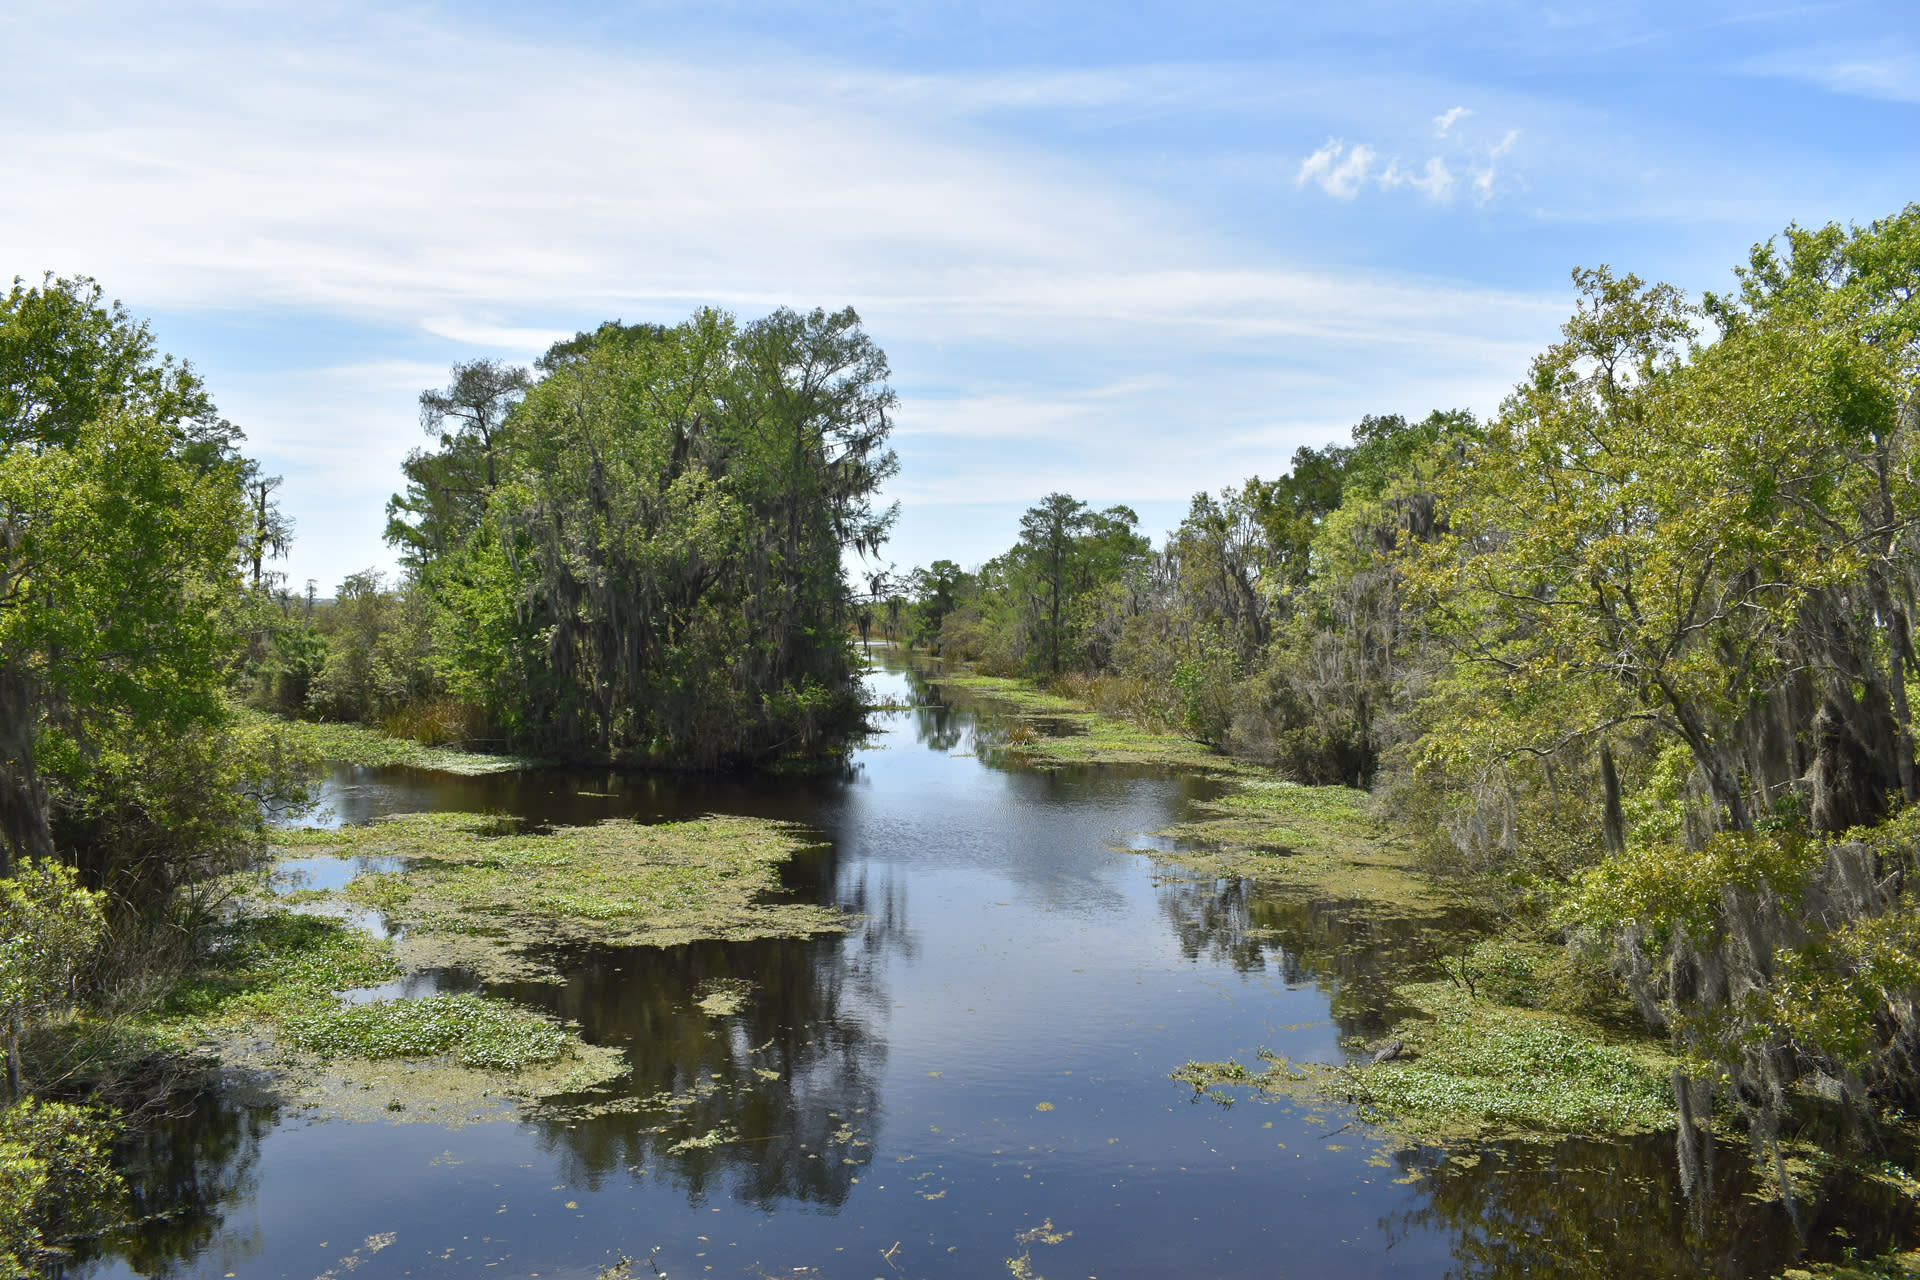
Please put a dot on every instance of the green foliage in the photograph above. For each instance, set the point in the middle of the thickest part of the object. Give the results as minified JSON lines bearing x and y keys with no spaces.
{"x":123,"y":523}
{"x":1671,"y":889}
{"x":155,"y":815}
{"x":378,"y":651}
{"x":1837,"y":995}
{"x":57,"y":1178}
{"x":474,"y":1032}
{"x":1043,"y":608}
{"x":50,"y":926}
{"x":936,"y":591}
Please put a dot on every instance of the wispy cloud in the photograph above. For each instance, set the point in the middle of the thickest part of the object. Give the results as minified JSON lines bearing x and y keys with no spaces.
{"x":1887,"y":75}
{"x":1343,"y":172}
{"x":1447,"y":119}
{"x":1485,"y":178}
{"x":486,"y":334}
{"x":446,"y":189}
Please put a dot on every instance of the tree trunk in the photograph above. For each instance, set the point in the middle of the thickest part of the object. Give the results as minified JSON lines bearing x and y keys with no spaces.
{"x":23,"y":809}
{"x":15,"y":1090}
{"x":1902,"y":647}
{"x":1613,"y":823}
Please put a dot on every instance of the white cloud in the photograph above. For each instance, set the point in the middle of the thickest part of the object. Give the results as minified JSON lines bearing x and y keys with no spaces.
{"x":484,"y":334}
{"x":1446,"y":121}
{"x":1434,"y":180}
{"x":1338,"y":177}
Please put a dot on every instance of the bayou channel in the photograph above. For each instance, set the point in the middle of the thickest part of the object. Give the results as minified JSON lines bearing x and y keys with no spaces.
{"x":975,"y":1074}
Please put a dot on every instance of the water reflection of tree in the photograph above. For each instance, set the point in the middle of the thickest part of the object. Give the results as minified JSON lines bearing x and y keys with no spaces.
{"x":1586,"y":1208}
{"x":778,"y":1100}
{"x":939,"y":727}
{"x":1357,"y":951}
{"x":184,"y":1169}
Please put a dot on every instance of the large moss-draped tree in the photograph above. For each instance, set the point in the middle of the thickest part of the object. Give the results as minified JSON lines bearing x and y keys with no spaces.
{"x":654,"y":574}
{"x":1707,"y":542}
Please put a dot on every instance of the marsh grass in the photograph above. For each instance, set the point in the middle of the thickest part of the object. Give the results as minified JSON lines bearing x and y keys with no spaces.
{"x":1090,"y":738}
{"x":361,"y":745}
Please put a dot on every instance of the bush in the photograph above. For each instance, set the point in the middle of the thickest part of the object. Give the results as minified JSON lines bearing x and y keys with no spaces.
{"x":56,"y":1178}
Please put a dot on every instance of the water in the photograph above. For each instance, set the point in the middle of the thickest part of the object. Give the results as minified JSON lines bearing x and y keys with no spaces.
{"x":972,"y":1082}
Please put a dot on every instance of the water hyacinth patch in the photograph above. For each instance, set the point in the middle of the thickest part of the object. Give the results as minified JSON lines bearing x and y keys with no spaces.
{"x":1523,"y":1074}
{"x":486,"y":1034}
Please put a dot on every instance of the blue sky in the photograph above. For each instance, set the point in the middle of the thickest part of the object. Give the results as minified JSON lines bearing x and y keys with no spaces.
{"x":1130,"y":251}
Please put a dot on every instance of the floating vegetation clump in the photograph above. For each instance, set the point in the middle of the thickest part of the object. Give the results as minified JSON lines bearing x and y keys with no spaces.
{"x":1467,"y":1068}
{"x":276,"y":964}
{"x":480,"y":891}
{"x":1519,"y":1073}
{"x":723,"y":997}
{"x":475,"y":1032}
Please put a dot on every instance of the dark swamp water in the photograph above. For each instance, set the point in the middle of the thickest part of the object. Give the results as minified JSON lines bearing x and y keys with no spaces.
{"x":971,"y":1083}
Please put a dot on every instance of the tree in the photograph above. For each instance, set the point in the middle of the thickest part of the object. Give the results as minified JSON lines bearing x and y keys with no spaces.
{"x":656,"y":576}
{"x":116,"y":556}
{"x":269,"y":530}
{"x":1630,"y":546}
{"x":123,"y":530}
{"x":936,"y":591}
{"x":447,"y":490}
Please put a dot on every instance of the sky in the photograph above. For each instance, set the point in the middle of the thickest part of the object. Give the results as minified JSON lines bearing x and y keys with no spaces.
{"x":1128,"y":251}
